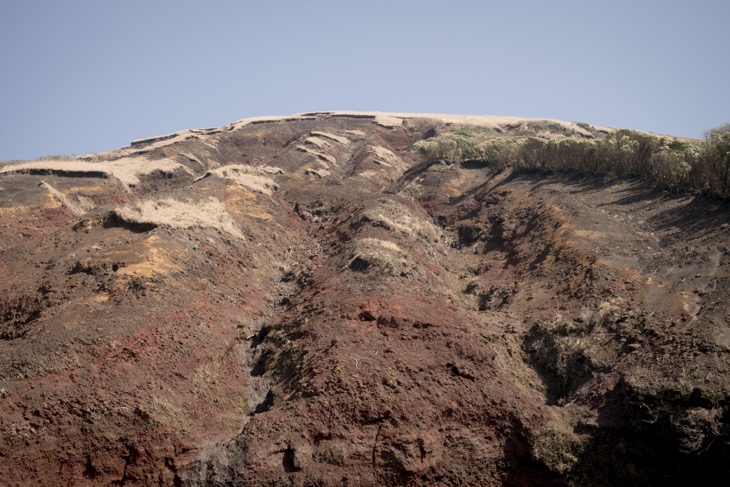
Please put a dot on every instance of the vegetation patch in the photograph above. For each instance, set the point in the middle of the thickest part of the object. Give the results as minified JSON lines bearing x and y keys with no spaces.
{"x":74,"y":208}
{"x":396,"y":217}
{"x":255,"y":178}
{"x":383,"y":256}
{"x":386,"y":157}
{"x":210,"y":213}
{"x":126,"y":170}
{"x":333,"y":137}
{"x":674,"y":164}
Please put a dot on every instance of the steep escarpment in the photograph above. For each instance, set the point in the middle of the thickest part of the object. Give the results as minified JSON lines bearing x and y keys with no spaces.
{"x":351,"y":299}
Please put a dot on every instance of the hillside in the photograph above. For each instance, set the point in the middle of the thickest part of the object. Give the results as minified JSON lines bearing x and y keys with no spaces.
{"x":345,"y":298}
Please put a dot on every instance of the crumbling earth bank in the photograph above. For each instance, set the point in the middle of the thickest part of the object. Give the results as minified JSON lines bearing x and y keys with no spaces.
{"x":304,"y":302}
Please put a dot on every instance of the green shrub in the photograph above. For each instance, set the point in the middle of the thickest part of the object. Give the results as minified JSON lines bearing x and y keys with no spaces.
{"x":585,"y":126}
{"x":715,"y":159}
{"x":472,"y":130}
{"x":449,"y":148}
{"x":500,"y":151}
{"x":678,"y":165}
{"x":670,"y":168}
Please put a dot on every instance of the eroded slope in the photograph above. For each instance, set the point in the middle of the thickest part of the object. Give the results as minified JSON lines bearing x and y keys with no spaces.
{"x":303,"y":301}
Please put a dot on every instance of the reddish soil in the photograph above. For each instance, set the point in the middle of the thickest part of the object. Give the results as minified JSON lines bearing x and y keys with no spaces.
{"x":443,"y":324}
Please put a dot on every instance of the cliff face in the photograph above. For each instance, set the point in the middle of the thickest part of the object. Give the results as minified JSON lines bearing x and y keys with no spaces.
{"x":305,"y":301}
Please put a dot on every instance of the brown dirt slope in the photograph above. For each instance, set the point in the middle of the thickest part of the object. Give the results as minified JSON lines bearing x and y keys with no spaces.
{"x":301,"y":301}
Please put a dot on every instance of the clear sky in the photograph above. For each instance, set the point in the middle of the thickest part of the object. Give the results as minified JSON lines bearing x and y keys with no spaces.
{"x":80,"y":76}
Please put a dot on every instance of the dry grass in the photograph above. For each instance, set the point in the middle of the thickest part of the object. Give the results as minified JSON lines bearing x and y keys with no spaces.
{"x":386,"y":157}
{"x":210,"y":213}
{"x":333,"y":137}
{"x":385,"y":244}
{"x":126,"y":170}
{"x":382,"y":256}
{"x":498,"y":123}
{"x":318,"y":142}
{"x":396,"y":217}
{"x":370,"y":174}
{"x":254,"y":120}
{"x":326,"y":158}
{"x":73,"y":208}
{"x":388,"y":121}
{"x":491,"y":121}
{"x":255,"y":178}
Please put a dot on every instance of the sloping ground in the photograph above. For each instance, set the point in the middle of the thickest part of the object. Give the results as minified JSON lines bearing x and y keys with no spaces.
{"x":301,"y":301}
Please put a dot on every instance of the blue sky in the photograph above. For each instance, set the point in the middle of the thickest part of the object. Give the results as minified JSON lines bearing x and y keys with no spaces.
{"x":87,"y":76}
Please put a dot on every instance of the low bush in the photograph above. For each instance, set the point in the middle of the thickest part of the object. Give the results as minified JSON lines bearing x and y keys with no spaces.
{"x":676,"y":165}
